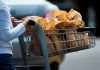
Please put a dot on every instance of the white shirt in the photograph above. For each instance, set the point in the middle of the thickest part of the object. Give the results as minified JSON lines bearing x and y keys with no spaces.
{"x":7,"y":32}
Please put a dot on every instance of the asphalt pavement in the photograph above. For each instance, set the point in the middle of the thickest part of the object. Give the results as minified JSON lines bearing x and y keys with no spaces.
{"x":88,"y":59}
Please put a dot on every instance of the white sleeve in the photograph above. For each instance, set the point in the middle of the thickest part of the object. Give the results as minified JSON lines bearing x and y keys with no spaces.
{"x":10,"y":34}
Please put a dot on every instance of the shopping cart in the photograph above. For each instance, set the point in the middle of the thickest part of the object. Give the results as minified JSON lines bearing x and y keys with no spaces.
{"x":62,"y":41}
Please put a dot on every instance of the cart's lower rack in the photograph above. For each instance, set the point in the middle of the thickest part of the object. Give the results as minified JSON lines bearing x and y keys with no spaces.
{"x":60,"y":41}
{"x":69,"y":49}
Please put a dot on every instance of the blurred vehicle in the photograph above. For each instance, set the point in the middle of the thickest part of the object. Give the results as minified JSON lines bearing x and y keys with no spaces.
{"x":20,"y":9}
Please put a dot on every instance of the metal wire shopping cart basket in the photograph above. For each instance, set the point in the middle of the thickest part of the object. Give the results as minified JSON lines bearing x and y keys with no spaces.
{"x":57,"y":42}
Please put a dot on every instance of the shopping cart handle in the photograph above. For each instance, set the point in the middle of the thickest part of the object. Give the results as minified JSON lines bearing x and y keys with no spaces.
{"x":37,"y":25}
{"x":31,"y":23}
{"x":43,"y":42}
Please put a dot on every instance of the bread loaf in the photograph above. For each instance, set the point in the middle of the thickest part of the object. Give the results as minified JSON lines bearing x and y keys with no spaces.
{"x":60,"y":14}
{"x":53,"y":35}
{"x":50,"y":25}
{"x":73,"y":14}
{"x":50,"y":46}
{"x":86,"y":39}
{"x":42,"y":22}
{"x":71,"y":38}
{"x":83,"y":40}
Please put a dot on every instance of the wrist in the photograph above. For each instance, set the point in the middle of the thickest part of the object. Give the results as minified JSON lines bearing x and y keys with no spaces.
{"x":25,"y":23}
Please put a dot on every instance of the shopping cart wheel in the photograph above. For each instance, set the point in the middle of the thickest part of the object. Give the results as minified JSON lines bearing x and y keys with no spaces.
{"x":55,"y":61}
{"x":54,"y":66}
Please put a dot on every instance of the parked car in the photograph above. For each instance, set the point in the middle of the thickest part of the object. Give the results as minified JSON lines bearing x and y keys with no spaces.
{"x":22,"y":8}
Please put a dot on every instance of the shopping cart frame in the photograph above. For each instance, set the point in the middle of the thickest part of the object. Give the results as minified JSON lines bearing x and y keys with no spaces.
{"x":43,"y":44}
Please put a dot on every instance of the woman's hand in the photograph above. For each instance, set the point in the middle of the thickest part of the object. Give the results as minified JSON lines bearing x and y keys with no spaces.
{"x":26,"y":20}
{"x":13,"y":19}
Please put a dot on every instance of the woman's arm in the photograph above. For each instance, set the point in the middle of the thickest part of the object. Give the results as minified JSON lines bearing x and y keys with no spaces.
{"x":9,"y":34}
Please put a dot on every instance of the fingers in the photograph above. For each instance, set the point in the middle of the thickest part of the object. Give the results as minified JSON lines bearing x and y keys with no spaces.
{"x":26,"y":20}
{"x":13,"y":19}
